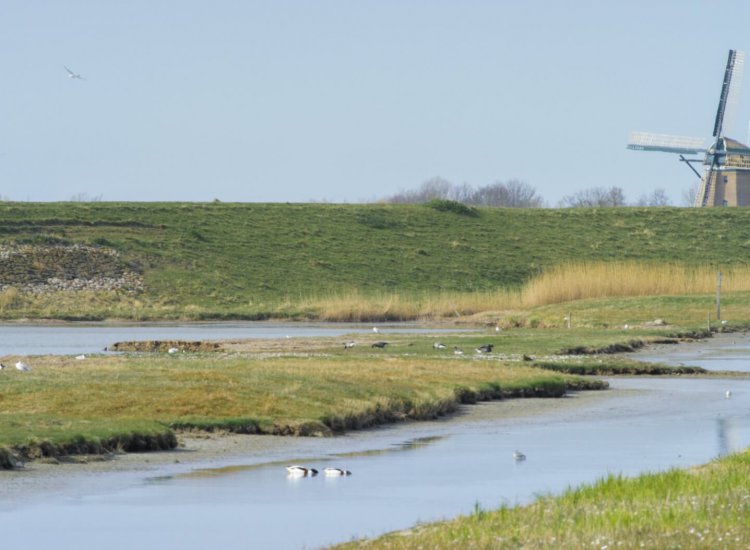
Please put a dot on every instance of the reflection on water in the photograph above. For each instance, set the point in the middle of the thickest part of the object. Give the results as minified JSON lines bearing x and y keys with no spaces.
{"x":729,"y":431}
{"x":724,"y":352}
{"x":74,"y":339}
{"x":418,"y":443}
{"x":408,"y":445}
{"x":448,"y":468}
{"x":401,"y":474}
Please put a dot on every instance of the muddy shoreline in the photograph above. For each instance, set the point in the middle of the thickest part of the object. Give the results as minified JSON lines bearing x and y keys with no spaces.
{"x":221,"y":449}
{"x":204,"y":450}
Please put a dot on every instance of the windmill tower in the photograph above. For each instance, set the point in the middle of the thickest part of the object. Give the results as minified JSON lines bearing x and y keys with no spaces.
{"x":726,"y":177}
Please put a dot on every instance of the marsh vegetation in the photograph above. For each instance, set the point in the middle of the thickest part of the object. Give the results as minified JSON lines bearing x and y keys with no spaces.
{"x":357,"y":262}
{"x":704,"y":507}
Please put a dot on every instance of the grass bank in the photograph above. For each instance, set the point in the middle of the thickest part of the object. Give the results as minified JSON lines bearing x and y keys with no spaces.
{"x":341,"y":262}
{"x":108,"y":403}
{"x":297,"y":386}
{"x":705,"y":507}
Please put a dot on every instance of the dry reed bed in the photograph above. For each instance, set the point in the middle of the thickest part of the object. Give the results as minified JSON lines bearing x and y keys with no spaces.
{"x":559,"y":284}
{"x":564,"y":283}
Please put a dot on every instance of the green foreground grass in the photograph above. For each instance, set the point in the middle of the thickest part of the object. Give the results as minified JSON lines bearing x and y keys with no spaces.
{"x":705,"y":507}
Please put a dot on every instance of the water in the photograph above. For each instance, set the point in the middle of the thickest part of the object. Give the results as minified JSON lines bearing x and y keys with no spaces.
{"x":402,"y":474}
{"x":74,"y":339}
{"x":722,"y":352}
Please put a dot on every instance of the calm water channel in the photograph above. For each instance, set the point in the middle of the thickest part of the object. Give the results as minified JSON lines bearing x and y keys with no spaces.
{"x":402,"y":474}
{"x":68,"y":339}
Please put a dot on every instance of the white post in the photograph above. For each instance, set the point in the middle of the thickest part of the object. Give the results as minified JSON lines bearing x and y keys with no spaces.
{"x":718,"y":296}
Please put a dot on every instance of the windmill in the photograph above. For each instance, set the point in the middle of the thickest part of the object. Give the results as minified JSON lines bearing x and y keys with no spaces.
{"x":726,"y":177}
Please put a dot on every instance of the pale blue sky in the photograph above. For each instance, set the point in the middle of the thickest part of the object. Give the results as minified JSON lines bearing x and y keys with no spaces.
{"x":348,"y":101}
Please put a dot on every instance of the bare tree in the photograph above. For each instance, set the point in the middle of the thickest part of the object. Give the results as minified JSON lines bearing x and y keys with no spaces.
{"x":435,"y":188}
{"x":689,"y":194}
{"x":490,"y":195}
{"x":658,"y":197}
{"x":514,"y":194}
{"x":595,"y":197}
{"x":84,"y":197}
{"x":522,"y":195}
{"x":462,"y":193}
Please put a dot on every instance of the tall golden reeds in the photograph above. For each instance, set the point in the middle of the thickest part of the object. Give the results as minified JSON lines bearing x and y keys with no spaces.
{"x":354,"y":305}
{"x":557,"y":284}
{"x":578,"y":281}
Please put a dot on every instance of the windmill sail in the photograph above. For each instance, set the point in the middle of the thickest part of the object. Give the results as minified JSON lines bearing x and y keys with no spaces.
{"x":726,"y":177}
{"x":646,"y":141}
{"x":730,"y":91}
{"x":716,"y":156}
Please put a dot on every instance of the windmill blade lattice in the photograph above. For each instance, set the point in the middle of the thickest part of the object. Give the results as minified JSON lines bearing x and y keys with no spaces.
{"x":730,"y":92}
{"x":646,"y":141}
{"x":726,"y":161}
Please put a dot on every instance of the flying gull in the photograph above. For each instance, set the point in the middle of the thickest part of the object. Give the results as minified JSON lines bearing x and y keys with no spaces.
{"x":71,"y":74}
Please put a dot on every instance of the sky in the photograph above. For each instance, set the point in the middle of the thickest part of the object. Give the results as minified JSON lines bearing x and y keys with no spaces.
{"x":354,"y":101}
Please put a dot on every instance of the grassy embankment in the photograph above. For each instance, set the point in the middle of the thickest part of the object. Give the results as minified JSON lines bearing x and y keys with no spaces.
{"x":705,"y":507}
{"x":296,"y":386}
{"x":350,"y":262}
{"x":405,"y":262}
{"x":209,"y":259}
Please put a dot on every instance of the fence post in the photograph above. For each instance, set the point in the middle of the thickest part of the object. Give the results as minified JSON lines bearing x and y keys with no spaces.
{"x":718,"y":296}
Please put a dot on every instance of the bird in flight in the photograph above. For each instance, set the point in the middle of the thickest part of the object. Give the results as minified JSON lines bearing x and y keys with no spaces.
{"x":71,"y":74}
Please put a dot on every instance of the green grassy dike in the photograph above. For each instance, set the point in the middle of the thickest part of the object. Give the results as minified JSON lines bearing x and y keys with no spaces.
{"x":705,"y":507}
{"x":256,"y":261}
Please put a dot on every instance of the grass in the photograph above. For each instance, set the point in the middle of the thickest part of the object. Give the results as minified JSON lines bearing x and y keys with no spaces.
{"x":580,"y":281}
{"x":254,"y":261}
{"x":294,"y":386}
{"x":705,"y":507}
{"x":518,"y":269}
{"x":616,"y":366}
{"x":63,"y":401}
